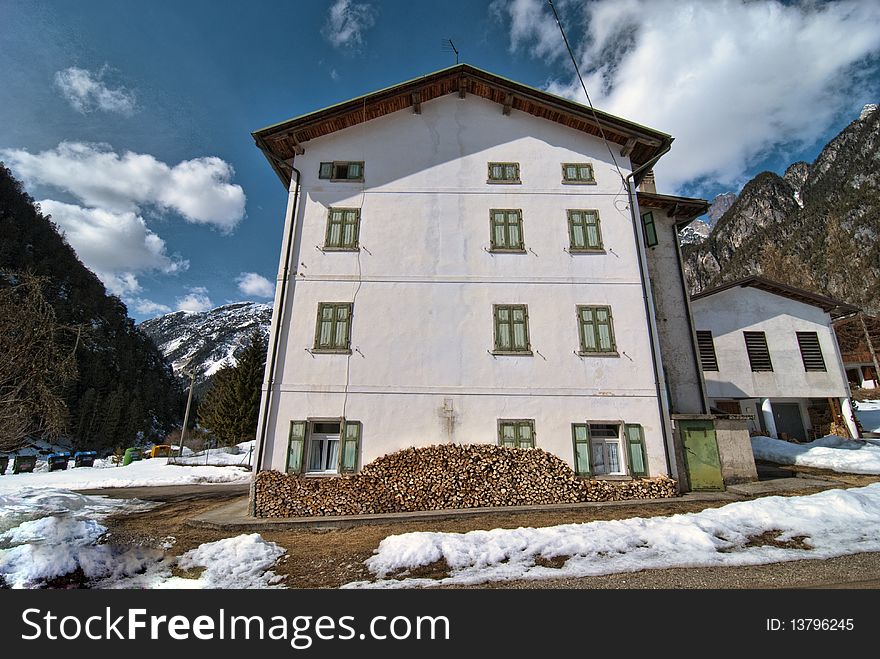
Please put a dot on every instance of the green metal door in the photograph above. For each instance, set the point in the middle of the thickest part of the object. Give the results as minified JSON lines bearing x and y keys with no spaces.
{"x":701,"y":455}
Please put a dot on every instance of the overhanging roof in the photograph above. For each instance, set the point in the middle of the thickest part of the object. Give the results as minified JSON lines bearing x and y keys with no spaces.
{"x":680,"y":208}
{"x":282,"y":141}
{"x":828,"y":304}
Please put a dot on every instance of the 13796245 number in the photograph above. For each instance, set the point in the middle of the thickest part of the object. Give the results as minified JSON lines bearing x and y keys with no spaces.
{"x":821,"y":624}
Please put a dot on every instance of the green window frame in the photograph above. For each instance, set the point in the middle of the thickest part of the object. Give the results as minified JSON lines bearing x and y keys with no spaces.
{"x":650,"y":230}
{"x":504,"y":172}
{"x":596,"y":330}
{"x":333,"y":328}
{"x":296,"y":445}
{"x":511,"y":329}
{"x":505,"y":230}
{"x":583,"y":230}
{"x":578,"y":172}
{"x":342,"y":170}
{"x":516,"y":433}
{"x":343,"y":229}
{"x":635,"y":450}
{"x":350,"y":449}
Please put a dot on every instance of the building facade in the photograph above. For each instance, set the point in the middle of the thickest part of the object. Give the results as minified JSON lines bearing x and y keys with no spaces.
{"x":462,"y":263}
{"x":769,"y":350}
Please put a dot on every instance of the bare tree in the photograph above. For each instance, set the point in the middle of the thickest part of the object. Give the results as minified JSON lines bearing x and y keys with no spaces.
{"x":35,"y":362}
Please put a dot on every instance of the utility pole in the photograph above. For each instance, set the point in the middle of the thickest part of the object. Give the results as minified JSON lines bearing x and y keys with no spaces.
{"x":192,"y":381}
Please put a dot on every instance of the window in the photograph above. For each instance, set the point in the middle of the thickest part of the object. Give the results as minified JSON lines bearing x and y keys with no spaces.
{"x":504,"y":172}
{"x":650,"y":230}
{"x":342,"y":171}
{"x":512,"y":329}
{"x":506,"y":228}
{"x":577,"y":172}
{"x":323,"y":447}
{"x":583,"y":230}
{"x":516,"y":433}
{"x":811,"y":351}
{"x":332,"y":333}
{"x":597,"y":449}
{"x":343,"y":227}
{"x":596,"y":330}
{"x":759,"y":354}
{"x":323,"y":444}
{"x":706,"y":345}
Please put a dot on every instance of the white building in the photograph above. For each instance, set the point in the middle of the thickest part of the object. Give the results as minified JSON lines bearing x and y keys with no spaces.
{"x":462,"y":263}
{"x":769,"y":350}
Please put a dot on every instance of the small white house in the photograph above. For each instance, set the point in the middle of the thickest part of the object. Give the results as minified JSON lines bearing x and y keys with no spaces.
{"x":769,"y":350}
{"x":462,"y":261}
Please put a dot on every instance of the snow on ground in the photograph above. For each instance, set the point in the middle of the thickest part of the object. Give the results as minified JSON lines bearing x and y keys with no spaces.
{"x":830,"y":452}
{"x":50,"y":533}
{"x":154,"y":471}
{"x":869,"y":415}
{"x":832,"y":523}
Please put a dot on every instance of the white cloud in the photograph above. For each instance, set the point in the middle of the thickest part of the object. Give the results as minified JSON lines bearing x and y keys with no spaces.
{"x":347,"y":22}
{"x":251,"y":283}
{"x":532,"y":26}
{"x":150,"y":308}
{"x":731,"y":81}
{"x":198,"y":189}
{"x":196,"y":301}
{"x":114,"y":245}
{"x":86,"y":91}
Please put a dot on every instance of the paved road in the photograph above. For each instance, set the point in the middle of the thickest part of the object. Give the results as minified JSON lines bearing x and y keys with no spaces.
{"x":168,"y":493}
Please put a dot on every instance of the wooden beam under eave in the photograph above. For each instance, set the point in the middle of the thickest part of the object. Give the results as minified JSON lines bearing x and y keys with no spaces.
{"x":462,"y":87}
{"x":417,"y":102}
{"x":627,"y":148}
{"x":508,"y":103}
{"x":298,"y":148}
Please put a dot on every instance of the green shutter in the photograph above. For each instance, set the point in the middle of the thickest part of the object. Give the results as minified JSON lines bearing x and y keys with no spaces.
{"x":635,"y":436}
{"x":296,"y":446}
{"x":348,"y":456}
{"x":355,"y":170}
{"x":650,"y":230}
{"x":585,"y":173}
{"x":594,"y":236}
{"x":325,"y":170}
{"x":580,"y":435}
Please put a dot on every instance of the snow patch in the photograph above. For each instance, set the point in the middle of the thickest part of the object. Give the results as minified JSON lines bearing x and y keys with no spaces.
{"x":831,"y":523}
{"x":830,"y":452}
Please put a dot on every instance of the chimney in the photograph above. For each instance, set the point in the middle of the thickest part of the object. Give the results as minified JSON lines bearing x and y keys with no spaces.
{"x":647,"y":184}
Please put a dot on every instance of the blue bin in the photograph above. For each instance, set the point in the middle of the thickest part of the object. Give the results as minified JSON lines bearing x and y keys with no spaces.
{"x":58,"y":461}
{"x":84,"y":458}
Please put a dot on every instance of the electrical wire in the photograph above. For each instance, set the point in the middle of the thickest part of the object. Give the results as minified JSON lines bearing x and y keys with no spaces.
{"x":586,"y":93}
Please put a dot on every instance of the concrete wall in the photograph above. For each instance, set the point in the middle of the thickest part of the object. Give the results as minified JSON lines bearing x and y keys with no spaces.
{"x":735,"y":451}
{"x":731,"y":312}
{"x":423,"y":285}
{"x":675,"y":330}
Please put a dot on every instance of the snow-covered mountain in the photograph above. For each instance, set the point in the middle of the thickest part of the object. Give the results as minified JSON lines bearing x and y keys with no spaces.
{"x":209,"y":339}
{"x":694,"y":233}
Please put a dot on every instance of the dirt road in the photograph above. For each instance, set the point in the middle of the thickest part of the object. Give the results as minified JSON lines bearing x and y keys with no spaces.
{"x":322,"y":558}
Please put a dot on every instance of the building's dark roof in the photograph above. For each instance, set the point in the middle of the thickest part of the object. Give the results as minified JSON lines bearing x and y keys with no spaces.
{"x":680,"y":208}
{"x":281,"y":141}
{"x":834,"y":307}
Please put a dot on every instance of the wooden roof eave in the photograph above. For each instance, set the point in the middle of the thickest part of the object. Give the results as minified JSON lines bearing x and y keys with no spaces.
{"x":640,"y":142}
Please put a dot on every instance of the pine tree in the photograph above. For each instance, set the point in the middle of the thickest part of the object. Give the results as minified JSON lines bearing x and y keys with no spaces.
{"x":231,"y":406}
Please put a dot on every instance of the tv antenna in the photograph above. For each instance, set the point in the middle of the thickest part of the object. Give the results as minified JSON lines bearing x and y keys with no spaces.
{"x":449,"y":47}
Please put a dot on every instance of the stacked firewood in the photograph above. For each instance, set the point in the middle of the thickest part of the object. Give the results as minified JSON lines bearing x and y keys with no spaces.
{"x":442,"y":477}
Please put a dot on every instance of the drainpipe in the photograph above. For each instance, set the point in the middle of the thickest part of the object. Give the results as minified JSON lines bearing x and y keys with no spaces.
{"x":663,"y":405}
{"x":270,"y":364}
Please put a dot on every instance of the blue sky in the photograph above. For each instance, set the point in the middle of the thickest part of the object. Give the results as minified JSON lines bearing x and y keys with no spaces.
{"x":131,"y":122}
